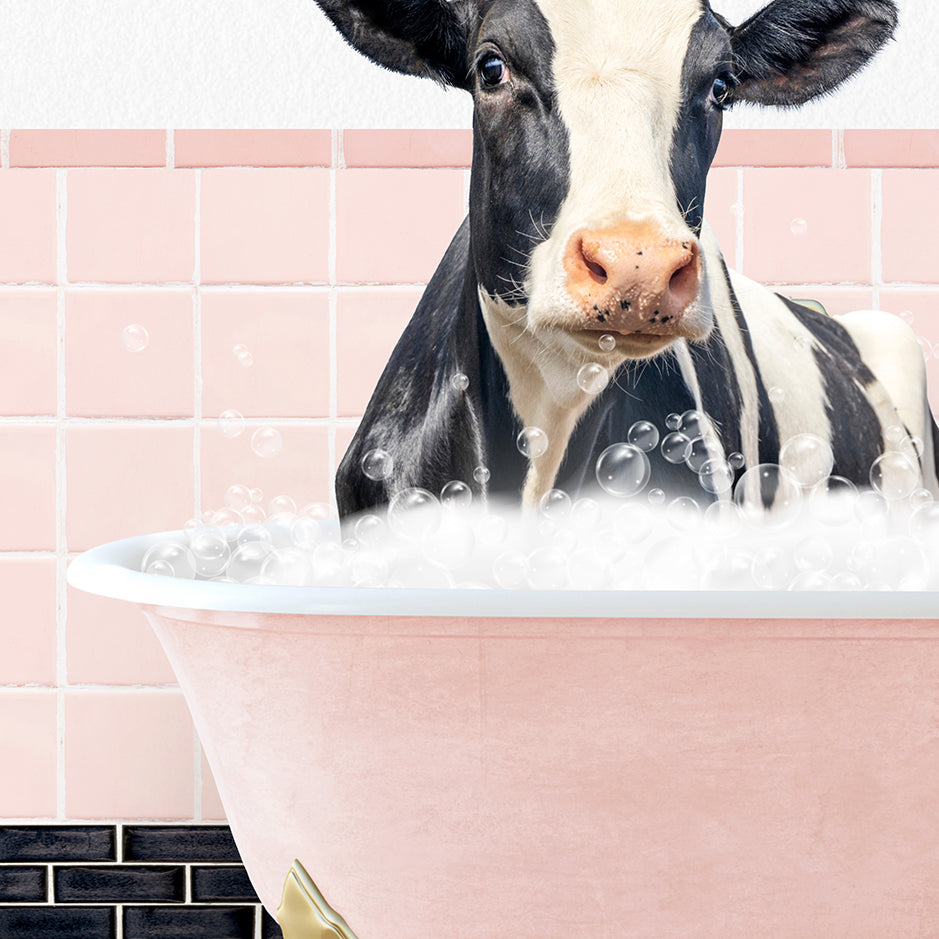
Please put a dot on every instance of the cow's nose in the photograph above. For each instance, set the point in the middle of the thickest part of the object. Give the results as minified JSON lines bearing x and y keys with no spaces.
{"x":632,"y":278}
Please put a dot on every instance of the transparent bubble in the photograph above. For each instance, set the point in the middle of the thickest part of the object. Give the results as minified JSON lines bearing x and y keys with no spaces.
{"x":247,"y":559}
{"x":210,"y":551}
{"x":592,"y":378}
{"x":255,"y":532}
{"x":587,"y":570}
{"x":907,"y":317}
{"x":798,"y":226}
{"x":267,"y":442}
{"x":423,"y":574}
{"x":253,"y":513}
{"x":773,"y":567}
{"x":227,"y":516}
{"x":656,"y":497}
{"x":243,"y":355}
{"x":895,"y":433}
{"x":698,"y":455}
{"x":586,"y":514}
{"x":675,"y":447}
{"x":894,"y":476}
{"x":872,"y":509}
{"x":230,"y":423}
{"x":413,"y":513}
{"x":607,"y":343}
{"x":683,"y":514}
{"x":920,"y":497}
{"x":845,"y":580}
{"x":812,"y":554}
{"x":456,"y":494}
{"x":378,"y":464}
{"x":169,"y":559}
{"x":926,"y":347}
{"x":481,"y":475}
{"x":737,"y":460}
{"x":644,"y":435}
{"x":281,"y":505}
{"x":459,"y":382}
{"x":328,"y":565}
{"x":808,"y":458}
{"x":316,"y":511}
{"x":724,"y":517}
{"x":135,"y":337}
{"x":769,"y":495}
{"x":810,"y":580}
{"x":510,"y":569}
{"x":912,"y":448}
{"x":556,"y":504}
{"x":832,"y":500}
{"x":237,"y":497}
{"x":673,"y":421}
{"x":288,"y":566}
{"x":452,"y":544}
{"x":632,"y":523}
{"x":693,"y":424}
{"x":491,"y":531}
{"x":532,"y":442}
{"x":777,"y":395}
{"x":306,"y":533}
{"x":622,"y":470}
{"x":369,"y":529}
{"x":894,"y":563}
{"x":547,"y":568}
{"x":716,"y":475}
{"x":369,"y":569}
{"x":924,"y":523}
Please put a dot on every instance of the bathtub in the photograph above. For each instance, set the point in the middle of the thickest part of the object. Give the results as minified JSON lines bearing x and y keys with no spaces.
{"x":538,"y":765}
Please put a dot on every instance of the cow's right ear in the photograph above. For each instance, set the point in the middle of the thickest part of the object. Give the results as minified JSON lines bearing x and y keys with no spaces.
{"x":416,"y":37}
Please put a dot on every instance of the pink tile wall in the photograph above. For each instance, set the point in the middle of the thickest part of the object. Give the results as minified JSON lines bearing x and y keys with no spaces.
{"x":308,"y":249}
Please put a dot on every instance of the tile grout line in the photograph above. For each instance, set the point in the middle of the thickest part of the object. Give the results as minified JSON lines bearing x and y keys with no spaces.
{"x":197,"y":781}
{"x":738,"y":261}
{"x":877,"y":280}
{"x":170,"y":149}
{"x":338,"y":158}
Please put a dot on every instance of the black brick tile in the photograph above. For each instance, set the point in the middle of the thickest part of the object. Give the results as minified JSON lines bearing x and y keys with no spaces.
{"x":118,"y":884}
{"x":269,"y":927}
{"x":222,"y":883}
{"x":57,"y":843}
{"x":52,"y":922}
{"x":22,"y":884}
{"x":179,"y":843}
{"x":156,"y":922}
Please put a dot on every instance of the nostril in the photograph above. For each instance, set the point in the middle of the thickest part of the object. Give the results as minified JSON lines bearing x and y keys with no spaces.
{"x":683,"y":285}
{"x":597,"y":271}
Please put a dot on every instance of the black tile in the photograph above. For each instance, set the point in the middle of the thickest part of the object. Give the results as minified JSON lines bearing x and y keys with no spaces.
{"x":222,"y":883}
{"x":22,"y":884}
{"x":269,"y":927}
{"x":50,"y":922}
{"x":118,"y":884}
{"x":179,"y":843}
{"x":193,"y":922}
{"x":57,"y":843}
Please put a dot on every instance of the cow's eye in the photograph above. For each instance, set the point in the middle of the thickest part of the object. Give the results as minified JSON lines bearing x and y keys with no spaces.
{"x":493,"y":71}
{"x":722,"y":92}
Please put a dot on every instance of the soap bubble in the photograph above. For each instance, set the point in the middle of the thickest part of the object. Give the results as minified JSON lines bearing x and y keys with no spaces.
{"x":282,"y":505}
{"x":289,"y":566}
{"x":872,"y":509}
{"x":588,"y":570}
{"x":369,"y":529}
{"x":135,"y":338}
{"x":253,"y":513}
{"x":673,"y":421}
{"x":459,"y":382}
{"x":768,"y":485}
{"x":833,"y":499}
{"x":592,"y":378}
{"x":894,"y":476}
{"x":237,"y":497}
{"x":210,"y":551}
{"x":423,"y":574}
{"x":924,"y":523}
{"x":248,"y":558}
{"x":227,"y":516}
{"x":698,"y":455}
{"x":845,"y":580}
{"x":716,"y":475}
{"x":907,"y":317}
{"x":243,"y":355}
{"x":532,"y":442}
{"x":773,"y":567}
{"x":491,"y":531}
{"x":547,"y":568}
{"x":675,"y":447}
{"x":798,"y":226}
{"x":810,"y":580}
{"x":316,"y":511}
{"x":556,"y":504}
{"x":267,"y":442}
{"x":230,"y":423}
{"x":255,"y":532}
{"x":586,"y":514}
{"x":656,"y":497}
{"x":510,"y":569}
{"x":912,"y":448}
{"x":644,"y":435}
{"x":305,"y":533}
{"x":777,"y":395}
{"x":607,"y":343}
{"x":693,"y":424}
{"x":456,"y":494}
{"x":481,"y":475}
{"x":920,"y":497}
{"x":807,"y":458}
{"x":895,"y":433}
{"x":369,"y":569}
{"x":736,"y":460}
{"x":378,"y":464}
{"x":169,"y":559}
{"x":413,"y":513}
{"x":328,"y":565}
{"x":683,"y":513}
{"x":622,"y":470}
{"x":812,"y":554}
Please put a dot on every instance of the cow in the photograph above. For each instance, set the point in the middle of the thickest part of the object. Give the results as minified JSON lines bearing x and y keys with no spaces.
{"x":595,"y":124}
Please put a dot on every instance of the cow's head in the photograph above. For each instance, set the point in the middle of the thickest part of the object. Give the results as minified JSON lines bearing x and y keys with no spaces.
{"x":595,"y":124}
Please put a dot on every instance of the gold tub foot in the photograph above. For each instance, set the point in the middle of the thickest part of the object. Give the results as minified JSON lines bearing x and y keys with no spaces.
{"x":304,"y":913}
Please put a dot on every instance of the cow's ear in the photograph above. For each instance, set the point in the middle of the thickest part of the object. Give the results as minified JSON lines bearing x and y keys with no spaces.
{"x":793,"y":50}
{"x":417,"y":37}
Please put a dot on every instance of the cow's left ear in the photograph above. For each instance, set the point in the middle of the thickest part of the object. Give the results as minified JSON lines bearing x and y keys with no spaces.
{"x":794,"y":50}
{"x":416,"y":37}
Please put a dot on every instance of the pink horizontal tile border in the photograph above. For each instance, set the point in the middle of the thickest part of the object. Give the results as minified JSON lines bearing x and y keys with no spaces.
{"x":87,"y":148}
{"x":900,"y":148}
{"x":415,"y":148}
{"x":775,"y":147}
{"x":253,"y":148}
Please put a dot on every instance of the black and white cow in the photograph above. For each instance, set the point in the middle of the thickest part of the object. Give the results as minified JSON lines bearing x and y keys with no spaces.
{"x":595,"y":124}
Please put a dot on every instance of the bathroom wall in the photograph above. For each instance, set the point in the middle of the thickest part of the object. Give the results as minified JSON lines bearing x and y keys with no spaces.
{"x":309,"y":249}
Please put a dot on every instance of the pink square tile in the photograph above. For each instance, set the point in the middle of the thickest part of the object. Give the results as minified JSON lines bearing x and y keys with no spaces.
{"x":407,"y":147}
{"x":910,"y":207}
{"x":265,"y":226}
{"x":128,"y":754}
{"x":28,"y":245}
{"x":106,"y":375}
{"x":836,"y":300}
{"x":286,"y":336}
{"x":720,"y":211}
{"x":131,"y":225}
{"x":87,"y":148}
{"x":393,"y":226}
{"x":28,"y":754}
{"x":212,"y":808}
{"x":27,"y":488}
{"x":368,"y":325}
{"x":28,"y":343}
{"x":918,"y":147}
{"x":807,"y":225}
{"x":127,"y":480}
{"x":111,"y":643}
{"x":919,"y":308}
{"x":774,"y":147}
{"x":300,"y":470}
{"x":27,"y":627}
{"x":253,"y":147}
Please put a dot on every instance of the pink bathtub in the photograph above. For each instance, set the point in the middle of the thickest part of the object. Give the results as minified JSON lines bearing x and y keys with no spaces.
{"x":537,"y":765}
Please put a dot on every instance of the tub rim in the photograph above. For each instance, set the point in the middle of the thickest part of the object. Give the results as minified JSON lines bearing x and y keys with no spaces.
{"x":110,"y":570}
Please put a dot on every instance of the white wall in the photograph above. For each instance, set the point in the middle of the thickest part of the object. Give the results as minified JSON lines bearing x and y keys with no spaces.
{"x":278,"y":63}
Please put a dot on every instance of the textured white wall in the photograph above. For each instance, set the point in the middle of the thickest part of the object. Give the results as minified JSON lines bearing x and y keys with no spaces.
{"x":278,"y":63}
